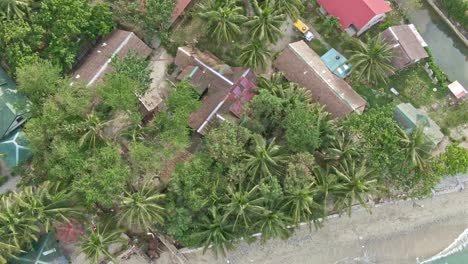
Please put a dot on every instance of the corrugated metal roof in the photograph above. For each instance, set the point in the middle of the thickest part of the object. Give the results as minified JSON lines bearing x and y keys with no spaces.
{"x":337,"y":63}
{"x":15,"y":149}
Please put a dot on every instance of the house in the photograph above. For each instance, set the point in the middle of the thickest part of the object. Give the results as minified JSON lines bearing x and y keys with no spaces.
{"x":457,"y":90}
{"x":119,"y":43}
{"x":301,"y":65}
{"x":408,"y":45}
{"x":14,"y":107}
{"x":356,"y":16}
{"x":223,"y":89}
{"x":337,"y":63}
{"x":180,"y":7}
{"x":14,"y":149}
{"x":408,"y":117}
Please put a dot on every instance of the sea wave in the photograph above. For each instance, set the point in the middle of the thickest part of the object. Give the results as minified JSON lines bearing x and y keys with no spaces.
{"x":459,"y":244}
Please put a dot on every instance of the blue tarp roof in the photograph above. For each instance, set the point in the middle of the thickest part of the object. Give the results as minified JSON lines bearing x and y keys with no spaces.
{"x":14,"y":147}
{"x":337,"y":63}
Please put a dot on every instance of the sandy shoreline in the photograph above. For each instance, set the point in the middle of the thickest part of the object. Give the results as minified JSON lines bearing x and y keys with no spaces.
{"x":394,"y":234}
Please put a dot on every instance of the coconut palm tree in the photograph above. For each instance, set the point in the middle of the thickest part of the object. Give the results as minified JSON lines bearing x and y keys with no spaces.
{"x":416,"y":147}
{"x":224,"y":20}
{"x":140,"y":209}
{"x":20,"y":228}
{"x":273,"y":223}
{"x":254,"y":55}
{"x":96,"y":244}
{"x":244,"y":206}
{"x":326,"y":185}
{"x":300,"y":204}
{"x":326,"y":125}
{"x":344,"y":146}
{"x":372,"y":60}
{"x":93,"y":132}
{"x":265,"y":159}
{"x":265,"y":25}
{"x":216,"y":231}
{"x":357,"y":182}
{"x":292,"y":8}
{"x":48,"y":204}
{"x":14,"y":9}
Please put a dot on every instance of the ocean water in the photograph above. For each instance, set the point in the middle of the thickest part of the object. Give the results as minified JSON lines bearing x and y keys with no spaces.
{"x":456,"y":253}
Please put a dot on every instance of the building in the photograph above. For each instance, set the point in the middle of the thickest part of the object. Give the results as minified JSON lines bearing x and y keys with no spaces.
{"x":356,"y":16}
{"x":180,"y":7}
{"x":14,"y":107}
{"x":119,"y":43}
{"x":408,"y":45}
{"x":301,"y":65}
{"x":337,"y":63}
{"x":223,"y":89}
{"x":409,"y":118}
{"x":457,"y":90}
{"x":14,"y":149}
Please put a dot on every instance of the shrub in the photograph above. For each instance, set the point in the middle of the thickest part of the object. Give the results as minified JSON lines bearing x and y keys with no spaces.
{"x":3,"y":180}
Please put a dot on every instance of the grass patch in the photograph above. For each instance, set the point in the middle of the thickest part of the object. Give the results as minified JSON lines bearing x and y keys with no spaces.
{"x":318,"y":46}
{"x":415,"y":86}
{"x":451,"y":116}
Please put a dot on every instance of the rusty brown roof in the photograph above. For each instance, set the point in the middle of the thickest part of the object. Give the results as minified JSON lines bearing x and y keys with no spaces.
{"x":96,"y":64}
{"x":300,"y":64}
{"x":406,"y":45}
{"x":208,"y":72}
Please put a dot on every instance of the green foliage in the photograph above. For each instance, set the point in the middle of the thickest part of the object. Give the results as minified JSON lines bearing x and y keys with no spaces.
{"x":266,"y":24}
{"x":157,"y":17}
{"x":96,"y":244}
{"x":119,"y":92}
{"x":331,"y":24}
{"x":14,"y":9}
{"x":38,"y":81}
{"x":438,"y":73}
{"x":372,"y":60}
{"x":319,"y":47}
{"x":134,"y":67}
{"x":227,"y":143}
{"x":457,"y":9}
{"x":301,"y":129}
{"x":292,"y":8}
{"x":255,"y":55}
{"x":224,"y":20}
{"x":3,"y":179}
{"x":453,"y":161}
{"x":142,"y":158}
{"x":105,"y":173}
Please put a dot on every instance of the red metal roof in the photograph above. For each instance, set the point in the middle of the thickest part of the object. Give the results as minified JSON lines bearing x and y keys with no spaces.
{"x":355,"y":12}
{"x":179,"y":8}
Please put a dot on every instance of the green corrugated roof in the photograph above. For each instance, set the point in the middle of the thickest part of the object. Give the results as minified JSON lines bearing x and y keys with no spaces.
{"x":408,"y":117}
{"x":12,"y":104}
{"x":337,"y":63}
{"x":14,"y":146}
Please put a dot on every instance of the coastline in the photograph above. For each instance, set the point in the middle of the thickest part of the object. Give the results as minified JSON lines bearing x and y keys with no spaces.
{"x":394,"y":233}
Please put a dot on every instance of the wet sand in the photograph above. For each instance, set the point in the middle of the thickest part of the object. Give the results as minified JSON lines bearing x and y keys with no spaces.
{"x":394,"y":234}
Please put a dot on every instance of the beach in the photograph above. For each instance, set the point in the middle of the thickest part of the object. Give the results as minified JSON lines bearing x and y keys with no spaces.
{"x":397,"y":233}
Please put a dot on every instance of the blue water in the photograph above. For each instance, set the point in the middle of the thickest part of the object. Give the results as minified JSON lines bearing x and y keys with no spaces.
{"x":457,"y":258}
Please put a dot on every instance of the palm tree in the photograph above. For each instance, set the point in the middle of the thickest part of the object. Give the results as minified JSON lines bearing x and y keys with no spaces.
{"x":325,"y":123}
{"x":265,"y":25}
{"x":325,"y":187}
{"x":48,"y":204}
{"x":141,"y":209}
{"x":14,"y":9}
{"x":372,"y":60}
{"x":273,"y":224}
{"x":299,"y":202}
{"x":20,"y":228}
{"x":243,"y":205}
{"x":292,"y":8}
{"x":93,"y":132}
{"x":265,"y":160}
{"x":224,"y":19}
{"x":96,"y":243}
{"x":344,"y":146}
{"x":416,"y":147}
{"x":357,"y":182}
{"x":216,"y":232}
{"x":254,"y":55}
{"x":7,"y":250}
